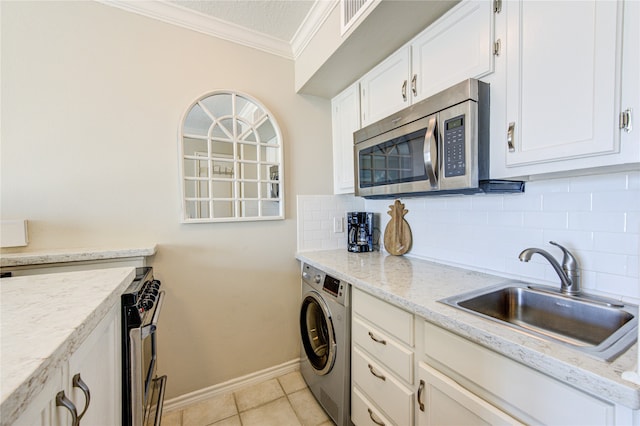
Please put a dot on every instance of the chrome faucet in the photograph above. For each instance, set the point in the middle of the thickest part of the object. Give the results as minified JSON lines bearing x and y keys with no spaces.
{"x":569,"y":273}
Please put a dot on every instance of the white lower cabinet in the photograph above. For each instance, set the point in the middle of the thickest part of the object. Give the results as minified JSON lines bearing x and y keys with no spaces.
{"x":382,"y":362}
{"x":407,"y":371}
{"x":443,"y":402}
{"x":97,"y":365}
{"x":495,"y":389}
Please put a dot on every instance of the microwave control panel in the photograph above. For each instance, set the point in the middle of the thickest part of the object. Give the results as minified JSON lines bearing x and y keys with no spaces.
{"x":454,"y":147}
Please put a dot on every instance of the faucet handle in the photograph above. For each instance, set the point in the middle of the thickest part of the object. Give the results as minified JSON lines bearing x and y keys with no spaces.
{"x":569,"y":262}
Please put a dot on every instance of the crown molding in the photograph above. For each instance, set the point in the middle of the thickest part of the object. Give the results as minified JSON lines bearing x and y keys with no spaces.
{"x":196,"y":21}
{"x":316,"y":17}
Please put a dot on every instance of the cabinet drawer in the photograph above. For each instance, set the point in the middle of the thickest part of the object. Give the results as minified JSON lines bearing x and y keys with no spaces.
{"x":363,"y":412}
{"x":395,"y":321}
{"x":388,"y":393}
{"x":393,"y":355}
{"x":514,"y":383}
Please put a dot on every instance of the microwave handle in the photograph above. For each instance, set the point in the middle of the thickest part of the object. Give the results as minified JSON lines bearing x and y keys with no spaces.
{"x":431,"y":151}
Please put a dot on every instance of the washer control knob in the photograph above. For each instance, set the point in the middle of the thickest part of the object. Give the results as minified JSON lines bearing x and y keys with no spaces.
{"x":317,"y":279}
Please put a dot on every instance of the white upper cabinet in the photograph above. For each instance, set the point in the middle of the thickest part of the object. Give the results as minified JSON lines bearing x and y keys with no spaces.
{"x":385,"y":89}
{"x":345,"y":119}
{"x":564,"y":84}
{"x":456,"y":47}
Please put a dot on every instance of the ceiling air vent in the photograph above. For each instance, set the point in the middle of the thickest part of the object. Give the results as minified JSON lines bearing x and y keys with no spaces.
{"x":350,"y":11}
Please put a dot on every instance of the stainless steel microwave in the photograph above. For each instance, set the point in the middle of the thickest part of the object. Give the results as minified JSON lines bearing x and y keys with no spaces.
{"x":439,"y":145}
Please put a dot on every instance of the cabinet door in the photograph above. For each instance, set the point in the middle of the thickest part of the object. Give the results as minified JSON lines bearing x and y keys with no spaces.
{"x":443,"y":402}
{"x":385,"y":89}
{"x":345,"y":120}
{"x":456,"y":47}
{"x":563,"y":85}
{"x":98,"y":363}
{"x":42,"y":410}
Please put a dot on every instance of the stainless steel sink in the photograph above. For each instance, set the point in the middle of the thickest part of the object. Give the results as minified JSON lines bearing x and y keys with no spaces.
{"x":600,"y":327}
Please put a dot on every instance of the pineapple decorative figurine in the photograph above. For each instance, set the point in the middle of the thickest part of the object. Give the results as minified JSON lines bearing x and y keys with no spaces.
{"x":397,"y":234}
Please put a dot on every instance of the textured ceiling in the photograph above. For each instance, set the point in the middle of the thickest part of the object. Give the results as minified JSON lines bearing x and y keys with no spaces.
{"x":277,"y":18}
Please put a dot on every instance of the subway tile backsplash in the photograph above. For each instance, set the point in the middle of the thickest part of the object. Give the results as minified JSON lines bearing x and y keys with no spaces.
{"x":596,"y":217}
{"x":317,"y":216}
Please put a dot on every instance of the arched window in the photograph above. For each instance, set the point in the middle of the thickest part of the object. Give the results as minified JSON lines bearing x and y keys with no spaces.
{"x":230,"y":160}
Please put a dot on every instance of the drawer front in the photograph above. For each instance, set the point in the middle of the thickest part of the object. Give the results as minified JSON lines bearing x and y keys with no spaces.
{"x":364,"y":412}
{"x":384,"y":390}
{"x":395,"y":321}
{"x":384,"y":348}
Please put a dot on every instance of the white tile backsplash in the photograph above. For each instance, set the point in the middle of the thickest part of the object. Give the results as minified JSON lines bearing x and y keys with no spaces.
{"x":596,"y":217}
{"x":316,"y":216}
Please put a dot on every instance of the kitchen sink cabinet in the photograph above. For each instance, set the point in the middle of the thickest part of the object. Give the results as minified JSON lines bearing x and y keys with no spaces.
{"x":382,"y":362}
{"x":345,"y":120}
{"x":442,"y":401}
{"x":565,"y":90}
{"x":97,"y":363}
{"x":494,"y":389}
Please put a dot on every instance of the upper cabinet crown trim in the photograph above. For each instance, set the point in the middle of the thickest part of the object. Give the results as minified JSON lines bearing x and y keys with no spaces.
{"x":186,"y":18}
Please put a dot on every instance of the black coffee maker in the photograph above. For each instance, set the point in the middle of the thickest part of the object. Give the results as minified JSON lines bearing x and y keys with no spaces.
{"x":360,"y":232}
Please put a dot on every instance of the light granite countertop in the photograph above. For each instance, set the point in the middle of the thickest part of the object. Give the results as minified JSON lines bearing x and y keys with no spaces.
{"x":73,"y":255}
{"x":44,"y":319}
{"x":416,"y":285}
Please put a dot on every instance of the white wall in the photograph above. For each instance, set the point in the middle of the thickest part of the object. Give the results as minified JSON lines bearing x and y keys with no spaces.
{"x":596,"y":217}
{"x":91,"y":102}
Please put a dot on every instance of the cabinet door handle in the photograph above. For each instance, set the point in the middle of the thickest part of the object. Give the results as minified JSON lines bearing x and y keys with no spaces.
{"x":510,"y":137}
{"x":378,"y":422}
{"x":381,"y":341}
{"x":78,"y":383}
{"x":414,"y":85}
{"x":63,"y":401}
{"x":379,"y":376}
{"x":404,"y":91}
{"x":420,"y":390}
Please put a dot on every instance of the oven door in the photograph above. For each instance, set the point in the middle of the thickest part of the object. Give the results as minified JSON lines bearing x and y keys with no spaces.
{"x":147,"y":391}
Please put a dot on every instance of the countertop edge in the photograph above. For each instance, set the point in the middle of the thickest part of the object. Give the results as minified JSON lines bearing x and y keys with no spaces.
{"x":73,"y":255}
{"x":14,"y":404}
{"x":617,"y":392}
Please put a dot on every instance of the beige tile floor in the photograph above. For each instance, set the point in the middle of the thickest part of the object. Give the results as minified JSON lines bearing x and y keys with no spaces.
{"x":282,"y":401}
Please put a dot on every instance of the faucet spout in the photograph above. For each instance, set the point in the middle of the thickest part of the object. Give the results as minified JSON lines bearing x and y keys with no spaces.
{"x":568,"y":273}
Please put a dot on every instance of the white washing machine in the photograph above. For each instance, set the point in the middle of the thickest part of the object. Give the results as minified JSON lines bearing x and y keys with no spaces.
{"x":325,"y":325}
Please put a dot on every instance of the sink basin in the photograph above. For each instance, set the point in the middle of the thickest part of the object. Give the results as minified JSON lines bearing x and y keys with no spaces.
{"x":600,"y":327}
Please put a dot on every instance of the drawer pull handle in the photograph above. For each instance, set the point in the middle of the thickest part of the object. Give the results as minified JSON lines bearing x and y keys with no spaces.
{"x":63,"y":401}
{"x":383,"y":342}
{"x":78,"y":383}
{"x":378,"y":422}
{"x":379,"y":376}
{"x":420,"y":390}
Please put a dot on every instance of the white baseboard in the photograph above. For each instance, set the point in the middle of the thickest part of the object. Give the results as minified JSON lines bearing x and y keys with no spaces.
{"x":232,"y":385}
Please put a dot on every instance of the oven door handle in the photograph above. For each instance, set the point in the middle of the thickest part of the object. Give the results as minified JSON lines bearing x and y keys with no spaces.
{"x":147,"y":330}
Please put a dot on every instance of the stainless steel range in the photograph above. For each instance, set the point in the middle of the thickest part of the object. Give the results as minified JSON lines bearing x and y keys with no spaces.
{"x":142,"y":390}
